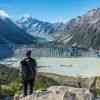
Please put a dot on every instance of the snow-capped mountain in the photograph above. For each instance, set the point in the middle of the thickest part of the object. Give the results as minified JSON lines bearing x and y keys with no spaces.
{"x":10,"y":32}
{"x":11,"y":35}
{"x":39,"y":28}
{"x":36,"y":27}
{"x":83,"y":30}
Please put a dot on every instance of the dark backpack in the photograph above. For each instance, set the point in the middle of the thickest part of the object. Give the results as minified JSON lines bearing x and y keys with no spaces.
{"x":28,"y":69}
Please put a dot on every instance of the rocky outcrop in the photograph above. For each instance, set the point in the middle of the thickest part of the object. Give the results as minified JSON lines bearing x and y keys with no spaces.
{"x":73,"y":81}
{"x":61,"y":93}
{"x":84,"y":30}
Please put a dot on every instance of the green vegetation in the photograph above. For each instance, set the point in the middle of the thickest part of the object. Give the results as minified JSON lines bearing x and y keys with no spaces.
{"x":44,"y":82}
{"x":11,"y":88}
{"x":15,"y":87}
{"x":98,"y":92}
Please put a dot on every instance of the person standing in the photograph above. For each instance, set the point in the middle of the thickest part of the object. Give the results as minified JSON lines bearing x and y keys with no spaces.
{"x":28,"y":70}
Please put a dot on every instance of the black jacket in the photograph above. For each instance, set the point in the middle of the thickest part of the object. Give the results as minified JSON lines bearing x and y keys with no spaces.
{"x":28,"y":68}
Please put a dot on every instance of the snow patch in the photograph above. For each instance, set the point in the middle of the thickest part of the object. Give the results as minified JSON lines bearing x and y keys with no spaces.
{"x":3,"y":14}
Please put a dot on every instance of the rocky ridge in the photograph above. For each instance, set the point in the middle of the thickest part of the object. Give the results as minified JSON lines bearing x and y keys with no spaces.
{"x":84,"y":31}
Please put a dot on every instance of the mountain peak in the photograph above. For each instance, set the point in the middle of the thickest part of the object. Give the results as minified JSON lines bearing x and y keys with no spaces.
{"x":3,"y":14}
{"x":25,"y":17}
{"x":93,"y":12}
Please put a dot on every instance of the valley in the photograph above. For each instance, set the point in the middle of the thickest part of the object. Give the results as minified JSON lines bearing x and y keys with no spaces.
{"x":67,"y":54}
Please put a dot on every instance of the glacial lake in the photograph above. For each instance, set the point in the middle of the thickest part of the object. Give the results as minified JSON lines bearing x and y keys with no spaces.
{"x":84,"y":67}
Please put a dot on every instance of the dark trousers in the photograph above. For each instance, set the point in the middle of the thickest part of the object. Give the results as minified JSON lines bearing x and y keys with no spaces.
{"x":26,"y":84}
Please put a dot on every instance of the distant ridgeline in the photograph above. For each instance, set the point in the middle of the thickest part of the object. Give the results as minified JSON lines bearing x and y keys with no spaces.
{"x":7,"y":74}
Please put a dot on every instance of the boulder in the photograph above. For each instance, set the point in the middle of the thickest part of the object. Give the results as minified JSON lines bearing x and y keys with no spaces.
{"x":61,"y":93}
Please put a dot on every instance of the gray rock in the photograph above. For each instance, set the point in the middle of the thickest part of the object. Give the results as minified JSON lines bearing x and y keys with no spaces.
{"x":62,"y":93}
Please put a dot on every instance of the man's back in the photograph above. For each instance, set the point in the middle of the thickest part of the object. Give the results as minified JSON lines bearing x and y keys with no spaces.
{"x":28,"y":68}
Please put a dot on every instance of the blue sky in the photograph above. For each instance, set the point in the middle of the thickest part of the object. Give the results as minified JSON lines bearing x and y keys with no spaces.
{"x":48,"y":10}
